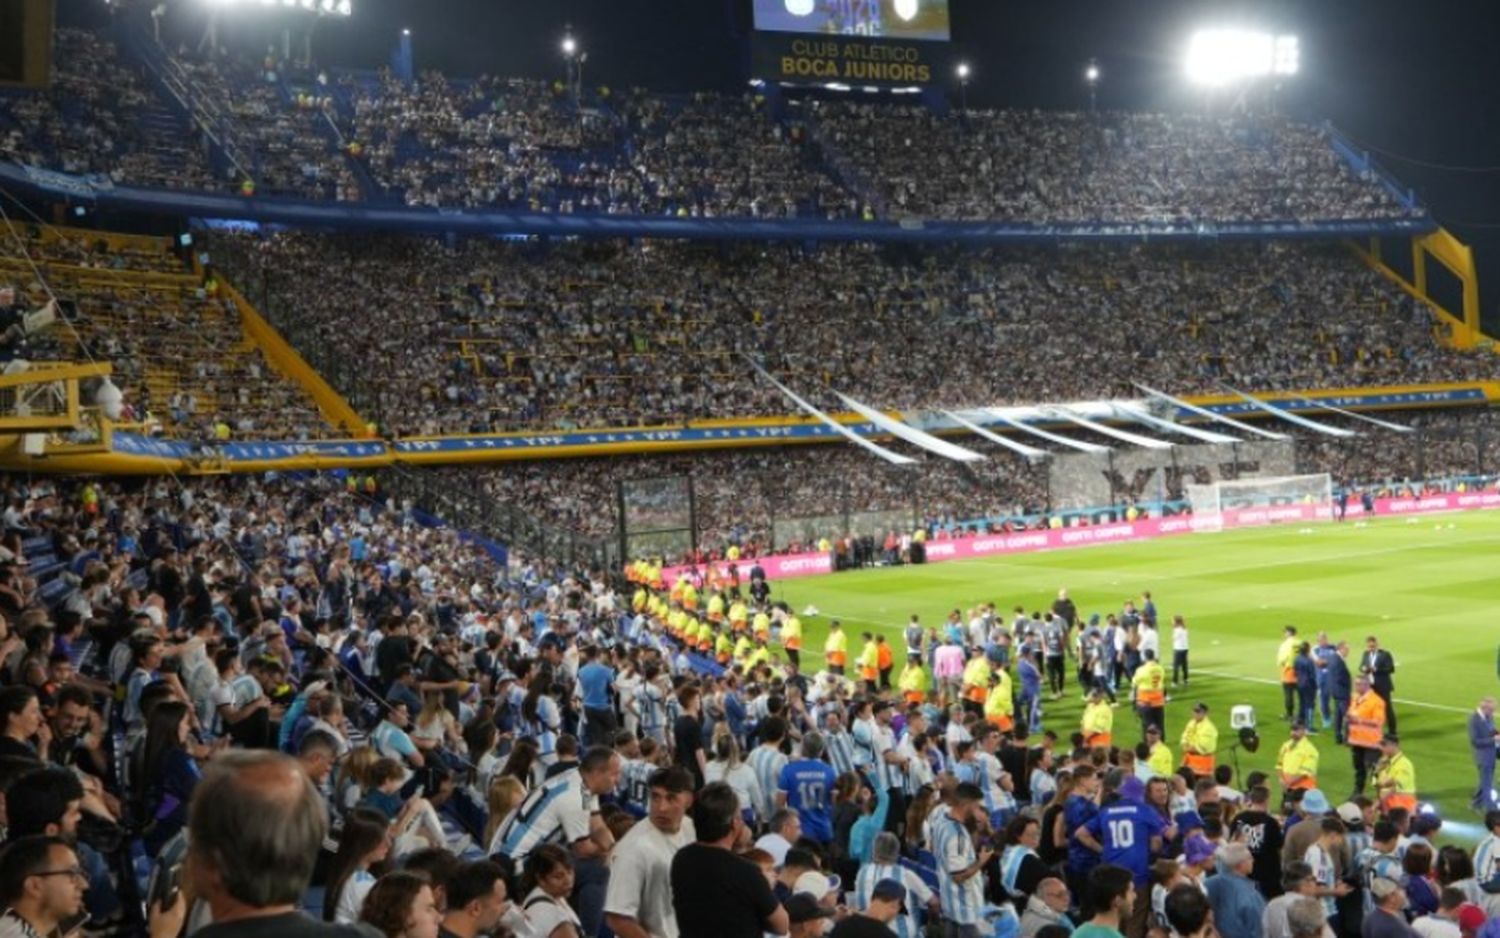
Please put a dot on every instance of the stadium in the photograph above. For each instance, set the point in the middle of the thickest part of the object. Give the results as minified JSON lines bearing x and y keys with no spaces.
{"x":776,"y":467}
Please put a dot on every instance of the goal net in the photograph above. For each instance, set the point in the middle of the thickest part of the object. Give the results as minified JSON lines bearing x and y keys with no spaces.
{"x":1246,"y":503}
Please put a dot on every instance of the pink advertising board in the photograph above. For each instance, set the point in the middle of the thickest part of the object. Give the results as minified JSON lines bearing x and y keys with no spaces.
{"x":787,"y":566}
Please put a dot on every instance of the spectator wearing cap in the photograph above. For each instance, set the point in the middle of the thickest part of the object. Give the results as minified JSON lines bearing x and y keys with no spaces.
{"x":877,"y":918}
{"x":638,"y":902}
{"x":1297,"y":762}
{"x":1200,"y":742}
{"x":1238,"y":906}
{"x":1387,"y":919}
{"x":807,"y":915}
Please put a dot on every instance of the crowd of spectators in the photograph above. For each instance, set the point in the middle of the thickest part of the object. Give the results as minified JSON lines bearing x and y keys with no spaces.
{"x":176,"y":343}
{"x":1109,"y":168}
{"x":287,"y":134}
{"x":520,"y":750}
{"x":99,"y":116}
{"x":515,"y":143}
{"x":525,"y":143}
{"x":487,"y":336}
{"x":713,"y":155}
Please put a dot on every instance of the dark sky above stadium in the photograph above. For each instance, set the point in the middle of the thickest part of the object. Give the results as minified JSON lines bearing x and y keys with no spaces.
{"x":1413,"y":79}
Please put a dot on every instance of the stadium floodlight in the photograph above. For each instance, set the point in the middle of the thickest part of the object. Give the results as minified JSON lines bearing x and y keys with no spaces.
{"x":569,"y":46}
{"x":1219,"y":57}
{"x":1091,"y":72}
{"x":962,"y":71}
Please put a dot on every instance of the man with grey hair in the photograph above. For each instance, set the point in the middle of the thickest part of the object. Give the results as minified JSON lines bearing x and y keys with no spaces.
{"x":785,"y":829}
{"x":1047,"y":906}
{"x":255,"y":826}
{"x":1306,"y":918}
{"x":1388,"y":920}
{"x":1297,"y":883}
{"x":885,"y":864}
{"x":806,"y":786}
{"x":1238,"y":905}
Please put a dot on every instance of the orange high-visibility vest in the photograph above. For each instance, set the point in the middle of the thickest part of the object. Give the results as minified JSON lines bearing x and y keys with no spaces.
{"x":1366,"y":717}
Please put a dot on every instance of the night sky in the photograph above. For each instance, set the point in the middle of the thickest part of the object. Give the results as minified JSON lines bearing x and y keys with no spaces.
{"x":1414,"y":79}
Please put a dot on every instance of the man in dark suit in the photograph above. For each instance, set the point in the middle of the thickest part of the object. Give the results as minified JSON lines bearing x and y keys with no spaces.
{"x":1482,"y":744}
{"x":1378,"y":664}
{"x":1340,"y":686}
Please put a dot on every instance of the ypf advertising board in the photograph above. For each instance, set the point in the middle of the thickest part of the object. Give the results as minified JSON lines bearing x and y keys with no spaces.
{"x":852,"y":42}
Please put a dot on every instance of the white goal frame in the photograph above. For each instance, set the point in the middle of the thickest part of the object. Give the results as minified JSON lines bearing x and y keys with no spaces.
{"x":1255,"y":502}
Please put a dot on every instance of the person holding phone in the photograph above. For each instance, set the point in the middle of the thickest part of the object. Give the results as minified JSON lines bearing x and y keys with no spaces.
{"x":42,"y":886}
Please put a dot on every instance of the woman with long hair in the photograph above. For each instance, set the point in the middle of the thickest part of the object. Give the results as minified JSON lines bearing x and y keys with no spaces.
{"x":848,"y":806}
{"x":169,"y":772}
{"x":541,"y":718}
{"x":726,"y":767}
{"x":547,"y":884}
{"x":505,"y":793}
{"x":524,"y":763}
{"x":1054,"y":848}
{"x":435,"y":728}
{"x":921,"y":806}
{"x":364,"y":843}
{"x":353,"y":778}
{"x":401,"y":905}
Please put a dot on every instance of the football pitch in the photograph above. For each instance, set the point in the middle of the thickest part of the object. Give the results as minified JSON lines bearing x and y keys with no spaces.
{"x":1428,"y":587}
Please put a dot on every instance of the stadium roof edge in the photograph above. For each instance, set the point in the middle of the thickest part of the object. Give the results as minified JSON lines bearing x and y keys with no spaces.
{"x":101,"y":193}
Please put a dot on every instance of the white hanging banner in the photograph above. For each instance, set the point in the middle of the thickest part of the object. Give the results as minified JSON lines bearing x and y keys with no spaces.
{"x":1126,"y":436}
{"x":895,"y":459}
{"x":1037,"y":431}
{"x":911,"y":434}
{"x":1030,"y":452}
{"x":1290,"y":417}
{"x":1323,"y":405}
{"x":1151,"y":420}
{"x":1205,"y":412}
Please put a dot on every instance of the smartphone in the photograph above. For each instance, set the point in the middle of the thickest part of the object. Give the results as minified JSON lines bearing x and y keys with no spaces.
{"x":165,"y":883}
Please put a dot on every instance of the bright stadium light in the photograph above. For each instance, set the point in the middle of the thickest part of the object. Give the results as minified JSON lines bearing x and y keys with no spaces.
{"x":962,"y":71}
{"x":569,"y":45}
{"x":1091,"y":73}
{"x":1219,"y":57}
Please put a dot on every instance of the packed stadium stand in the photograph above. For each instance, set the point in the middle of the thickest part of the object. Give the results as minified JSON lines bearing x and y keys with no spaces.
{"x":381,"y":520}
{"x":176,"y":340}
{"x":507,"y":142}
{"x":502,"y":337}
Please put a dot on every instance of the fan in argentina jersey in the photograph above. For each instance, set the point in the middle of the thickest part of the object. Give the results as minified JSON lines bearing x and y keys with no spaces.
{"x":767,"y":761}
{"x":563,"y":810}
{"x":650,"y":704}
{"x":885,"y":864}
{"x":806,"y":785}
{"x":960,"y":866}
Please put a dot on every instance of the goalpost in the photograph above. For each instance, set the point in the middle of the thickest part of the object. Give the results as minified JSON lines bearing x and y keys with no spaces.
{"x":1252,"y":502}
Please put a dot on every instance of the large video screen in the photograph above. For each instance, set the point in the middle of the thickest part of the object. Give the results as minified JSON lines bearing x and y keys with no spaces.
{"x":878,"y":19}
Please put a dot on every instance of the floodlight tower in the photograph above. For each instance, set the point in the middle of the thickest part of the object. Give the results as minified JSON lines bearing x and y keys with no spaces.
{"x":574,"y":57}
{"x":963,"y":72}
{"x":1091,"y":76}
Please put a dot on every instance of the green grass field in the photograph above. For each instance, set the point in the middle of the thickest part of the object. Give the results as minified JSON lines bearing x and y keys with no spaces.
{"x":1427,"y":587}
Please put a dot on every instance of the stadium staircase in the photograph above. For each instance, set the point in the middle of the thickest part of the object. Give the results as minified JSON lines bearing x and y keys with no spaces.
{"x":187,"y":105}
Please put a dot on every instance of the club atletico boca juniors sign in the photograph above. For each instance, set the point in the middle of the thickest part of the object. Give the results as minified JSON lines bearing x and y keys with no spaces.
{"x":851,"y":60}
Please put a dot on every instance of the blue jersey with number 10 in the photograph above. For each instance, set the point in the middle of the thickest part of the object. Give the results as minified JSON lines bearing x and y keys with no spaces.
{"x":808,"y":784}
{"x":1125,"y":829}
